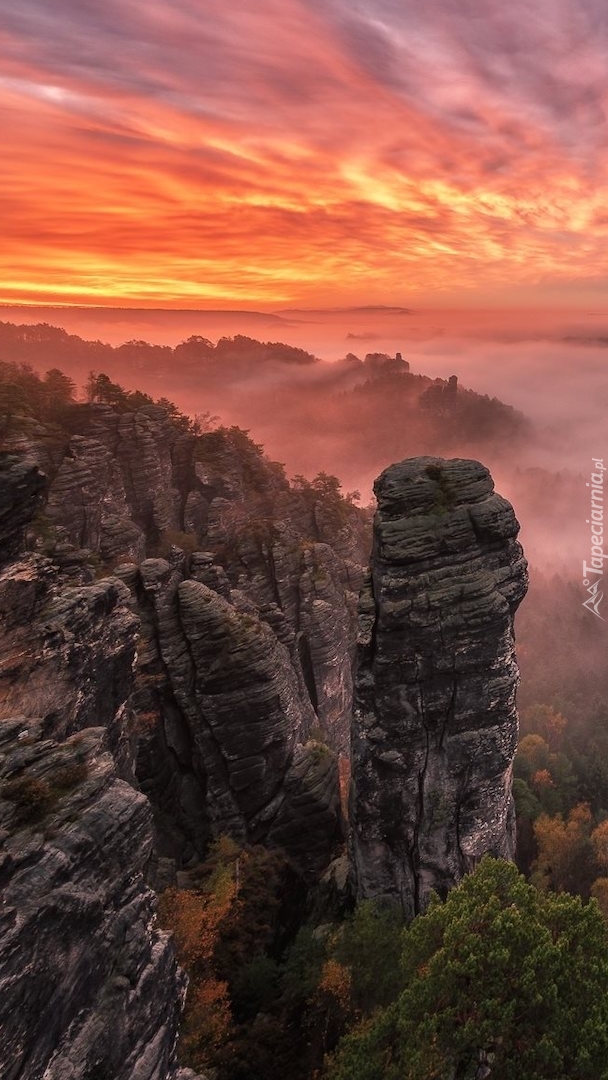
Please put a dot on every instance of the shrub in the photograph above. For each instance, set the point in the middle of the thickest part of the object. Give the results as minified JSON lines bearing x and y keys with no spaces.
{"x":31,"y":795}
{"x":34,"y":796}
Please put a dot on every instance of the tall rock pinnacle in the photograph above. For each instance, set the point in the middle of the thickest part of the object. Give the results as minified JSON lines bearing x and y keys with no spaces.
{"x":435,"y":724}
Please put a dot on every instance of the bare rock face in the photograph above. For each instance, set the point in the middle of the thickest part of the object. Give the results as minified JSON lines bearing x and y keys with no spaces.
{"x":228,"y":748}
{"x":435,"y":724}
{"x":244,"y":588}
{"x":126,"y":485}
{"x":66,"y":651}
{"x":21,"y":493}
{"x":89,"y":984}
{"x":117,"y":482}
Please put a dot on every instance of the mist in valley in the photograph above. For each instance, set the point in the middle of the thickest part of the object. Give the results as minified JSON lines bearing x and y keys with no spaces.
{"x":349,"y":392}
{"x":323,"y":392}
{"x":328,"y":409}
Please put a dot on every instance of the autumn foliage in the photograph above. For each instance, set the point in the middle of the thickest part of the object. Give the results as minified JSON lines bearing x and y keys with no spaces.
{"x":225,"y":932}
{"x":196,"y":918}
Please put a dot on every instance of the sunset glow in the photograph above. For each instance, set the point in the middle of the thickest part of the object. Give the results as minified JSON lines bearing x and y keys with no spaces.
{"x":304,"y":152}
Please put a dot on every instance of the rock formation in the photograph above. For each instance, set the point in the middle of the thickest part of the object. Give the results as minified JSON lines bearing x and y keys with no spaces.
{"x":243,"y":636}
{"x":146,"y":704}
{"x":225,"y":746}
{"x":126,"y":485}
{"x":435,"y":724}
{"x":89,"y":984}
{"x":21,"y":493}
{"x":176,"y":639}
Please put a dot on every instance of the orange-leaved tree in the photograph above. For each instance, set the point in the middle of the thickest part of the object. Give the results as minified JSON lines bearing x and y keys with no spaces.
{"x":196,"y":918}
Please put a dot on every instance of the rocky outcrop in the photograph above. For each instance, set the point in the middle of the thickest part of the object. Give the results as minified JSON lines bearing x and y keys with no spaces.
{"x":21,"y":493}
{"x":243,"y":636}
{"x":117,"y":487}
{"x":89,"y":984}
{"x":147,"y":703}
{"x":67,"y":650}
{"x":190,"y":528}
{"x":305,"y":593}
{"x":126,"y":485}
{"x":226,"y":744}
{"x":435,"y":724}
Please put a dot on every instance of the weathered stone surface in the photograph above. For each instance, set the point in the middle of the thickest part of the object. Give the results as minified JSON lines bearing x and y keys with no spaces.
{"x":307,"y":818}
{"x":89,"y":984}
{"x":435,"y":724}
{"x":302,"y":589}
{"x":146,"y":440}
{"x":231,"y":724}
{"x":21,"y":493}
{"x":228,"y":688}
{"x":76,"y":494}
{"x":66,"y":652}
{"x":30,"y":438}
{"x":325,"y":640}
{"x":117,"y":482}
{"x":129,"y":484}
{"x":246,"y":698}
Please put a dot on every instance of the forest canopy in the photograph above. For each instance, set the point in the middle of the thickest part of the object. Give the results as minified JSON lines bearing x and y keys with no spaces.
{"x":499,"y":975}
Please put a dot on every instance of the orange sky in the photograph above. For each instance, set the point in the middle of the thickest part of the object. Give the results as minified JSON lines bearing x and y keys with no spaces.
{"x":316,"y":152}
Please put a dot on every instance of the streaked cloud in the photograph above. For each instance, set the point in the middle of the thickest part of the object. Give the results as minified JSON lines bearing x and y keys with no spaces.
{"x":303,"y":151}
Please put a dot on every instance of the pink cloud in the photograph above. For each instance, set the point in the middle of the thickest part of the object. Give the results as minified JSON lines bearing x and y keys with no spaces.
{"x":302,"y":149}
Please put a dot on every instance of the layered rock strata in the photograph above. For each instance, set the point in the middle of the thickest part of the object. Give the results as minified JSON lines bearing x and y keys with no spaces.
{"x":435,"y":724}
{"x":203,"y":706}
{"x":89,"y":984}
{"x":21,"y":494}
{"x":126,"y":485}
{"x":202,"y":677}
{"x":224,"y":731}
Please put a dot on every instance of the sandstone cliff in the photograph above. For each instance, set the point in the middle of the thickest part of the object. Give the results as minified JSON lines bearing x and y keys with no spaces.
{"x":145,"y":704}
{"x":127,"y":485}
{"x":176,"y":637}
{"x":89,"y":984}
{"x":435,"y":724}
{"x":223,"y":724}
{"x":223,"y":585}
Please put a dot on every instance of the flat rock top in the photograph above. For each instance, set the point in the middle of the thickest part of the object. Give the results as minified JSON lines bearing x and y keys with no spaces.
{"x":423,"y":484}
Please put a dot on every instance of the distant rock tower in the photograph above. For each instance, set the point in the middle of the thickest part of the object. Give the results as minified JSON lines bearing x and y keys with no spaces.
{"x":435,"y":726}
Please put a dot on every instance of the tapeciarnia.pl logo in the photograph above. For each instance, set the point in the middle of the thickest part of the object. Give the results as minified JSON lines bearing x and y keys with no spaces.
{"x":593,"y":572}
